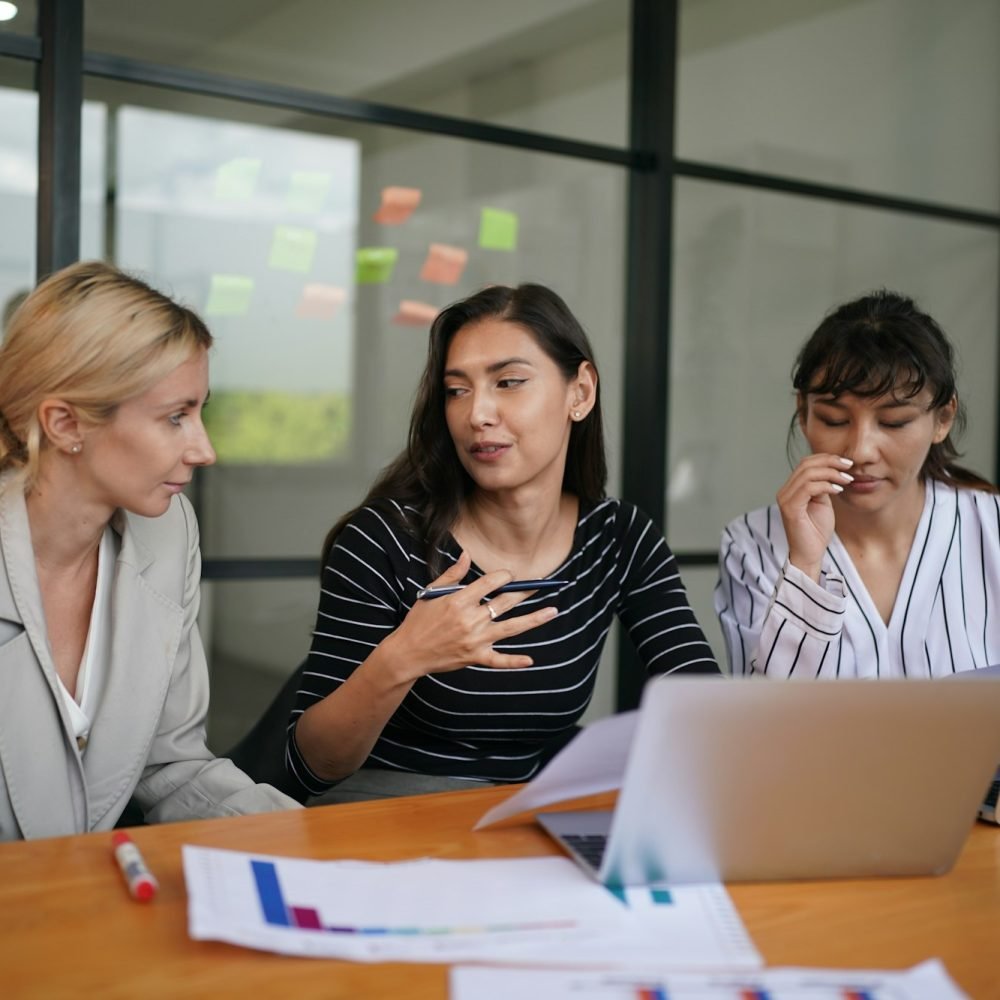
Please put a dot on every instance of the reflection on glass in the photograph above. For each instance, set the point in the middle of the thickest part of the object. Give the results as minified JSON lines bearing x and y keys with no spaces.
{"x":897,"y":96}
{"x":255,"y":227}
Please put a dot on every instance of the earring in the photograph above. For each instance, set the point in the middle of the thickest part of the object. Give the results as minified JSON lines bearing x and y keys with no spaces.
{"x":576,"y":414}
{"x":76,"y":448}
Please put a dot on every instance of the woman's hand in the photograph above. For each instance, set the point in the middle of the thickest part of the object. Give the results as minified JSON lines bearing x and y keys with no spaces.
{"x":806,"y":506}
{"x":447,"y":633}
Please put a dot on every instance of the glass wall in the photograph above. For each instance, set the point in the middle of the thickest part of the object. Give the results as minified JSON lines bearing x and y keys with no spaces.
{"x":894,"y":97}
{"x":560,"y":66}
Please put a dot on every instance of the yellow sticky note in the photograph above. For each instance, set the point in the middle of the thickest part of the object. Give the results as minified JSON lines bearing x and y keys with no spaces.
{"x":375,"y":265}
{"x":237,"y":179}
{"x":307,"y":190}
{"x":292,"y":248}
{"x":412,"y":313}
{"x":444,"y":264}
{"x":229,"y":295}
{"x":498,"y":229}
{"x":320,"y":301}
{"x":397,"y":205}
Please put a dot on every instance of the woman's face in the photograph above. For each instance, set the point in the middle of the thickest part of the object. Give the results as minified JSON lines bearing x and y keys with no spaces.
{"x":509,"y":408}
{"x":150,"y":448}
{"x":887,"y":437}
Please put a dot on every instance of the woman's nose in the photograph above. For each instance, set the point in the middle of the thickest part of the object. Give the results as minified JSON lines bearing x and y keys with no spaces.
{"x":201,"y":451}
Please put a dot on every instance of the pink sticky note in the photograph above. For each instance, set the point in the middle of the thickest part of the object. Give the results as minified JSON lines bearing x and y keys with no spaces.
{"x":444,"y":264}
{"x":320,"y":301}
{"x":415,"y":313}
{"x":397,"y":205}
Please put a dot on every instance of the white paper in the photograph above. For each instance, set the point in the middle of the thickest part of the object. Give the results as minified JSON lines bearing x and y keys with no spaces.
{"x":927,"y":981}
{"x":594,"y":761}
{"x":542,"y":911}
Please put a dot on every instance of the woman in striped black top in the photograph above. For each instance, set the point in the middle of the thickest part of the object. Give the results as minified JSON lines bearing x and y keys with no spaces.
{"x":503,"y":478}
{"x":881,"y":557}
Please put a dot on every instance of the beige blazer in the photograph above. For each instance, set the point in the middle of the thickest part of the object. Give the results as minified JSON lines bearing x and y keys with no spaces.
{"x":148,"y":735}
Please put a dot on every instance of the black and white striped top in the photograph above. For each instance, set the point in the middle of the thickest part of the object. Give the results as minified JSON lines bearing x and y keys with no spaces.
{"x":479,"y":722}
{"x":778,"y":622}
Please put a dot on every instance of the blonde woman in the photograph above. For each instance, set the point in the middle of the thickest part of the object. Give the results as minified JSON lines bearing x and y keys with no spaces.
{"x":103,"y":682}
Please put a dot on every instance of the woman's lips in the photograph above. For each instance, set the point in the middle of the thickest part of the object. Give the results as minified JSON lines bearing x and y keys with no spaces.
{"x":864,"y":484}
{"x":489,"y":452}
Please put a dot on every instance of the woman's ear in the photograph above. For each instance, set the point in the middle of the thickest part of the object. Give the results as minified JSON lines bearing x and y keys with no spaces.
{"x":944,"y":419}
{"x":583,"y":394}
{"x":60,"y":425}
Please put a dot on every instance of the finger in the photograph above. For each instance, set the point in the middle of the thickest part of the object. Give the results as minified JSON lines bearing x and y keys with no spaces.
{"x":501,"y":661}
{"x":502,"y":603}
{"x":523,"y":623}
{"x":487,"y":583}
{"x":455,"y":572}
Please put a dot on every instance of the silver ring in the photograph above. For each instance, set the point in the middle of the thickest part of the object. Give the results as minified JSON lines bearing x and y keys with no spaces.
{"x":490,"y":609}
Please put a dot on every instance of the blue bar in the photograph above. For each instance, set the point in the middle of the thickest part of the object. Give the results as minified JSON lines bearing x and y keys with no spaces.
{"x":269,"y":891}
{"x":661,"y":897}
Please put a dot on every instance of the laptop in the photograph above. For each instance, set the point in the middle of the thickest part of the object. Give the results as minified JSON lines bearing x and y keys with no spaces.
{"x":988,"y":807}
{"x":747,"y":779}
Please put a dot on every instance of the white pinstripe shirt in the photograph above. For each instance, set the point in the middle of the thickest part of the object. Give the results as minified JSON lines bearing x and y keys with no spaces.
{"x":477,"y":722}
{"x":778,"y":622}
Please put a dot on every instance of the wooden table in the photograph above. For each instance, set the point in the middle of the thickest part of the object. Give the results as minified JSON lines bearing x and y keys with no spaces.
{"x":69,"y":929}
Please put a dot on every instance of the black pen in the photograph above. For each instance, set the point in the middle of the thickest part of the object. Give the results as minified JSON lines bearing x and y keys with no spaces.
{"x":427,"y":593}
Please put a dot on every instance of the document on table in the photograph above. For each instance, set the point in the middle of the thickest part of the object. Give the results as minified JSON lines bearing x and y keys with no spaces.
{"x":927,"y":981}
{"x":594,"y":761}
{"x":542,"y":911}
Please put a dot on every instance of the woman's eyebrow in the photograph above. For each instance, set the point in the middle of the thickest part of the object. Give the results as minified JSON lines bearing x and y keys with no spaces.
{"x":491,"y":368}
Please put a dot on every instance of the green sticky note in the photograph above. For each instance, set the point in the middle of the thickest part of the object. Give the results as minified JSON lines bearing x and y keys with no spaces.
{"x":236,"y":180}
{"x":229,"y":295}
{"x":374,"y":265}
{"x":308,"y":190}
{"x":498,"y":229}
{"x":292,"y":248}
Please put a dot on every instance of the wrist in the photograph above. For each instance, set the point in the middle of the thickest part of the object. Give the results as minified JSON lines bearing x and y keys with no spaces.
{"x":804,"y":564}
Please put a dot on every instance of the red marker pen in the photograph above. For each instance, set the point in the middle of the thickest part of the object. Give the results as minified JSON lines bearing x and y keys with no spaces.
{"x":141,"y":883}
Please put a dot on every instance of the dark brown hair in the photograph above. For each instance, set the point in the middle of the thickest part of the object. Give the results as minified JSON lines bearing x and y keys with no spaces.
{"x":882,"y":343}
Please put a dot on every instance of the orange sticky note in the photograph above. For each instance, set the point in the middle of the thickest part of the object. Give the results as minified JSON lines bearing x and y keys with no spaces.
{"x":415,"y":313}
{"x":320,"y":301}
{"x":444,"y":264}
{"x":397,"y":205}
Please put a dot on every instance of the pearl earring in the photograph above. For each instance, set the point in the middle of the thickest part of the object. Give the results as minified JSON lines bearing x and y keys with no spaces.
{"x":576,"y":414}
{"x":76,"y":448}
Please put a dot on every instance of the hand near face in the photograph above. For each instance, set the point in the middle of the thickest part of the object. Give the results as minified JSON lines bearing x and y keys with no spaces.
{"x":806,"y":505}
{"x":451,"y":632}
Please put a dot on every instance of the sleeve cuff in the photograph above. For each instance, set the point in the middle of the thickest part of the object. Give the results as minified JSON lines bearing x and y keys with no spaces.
{"x":817,"y":609}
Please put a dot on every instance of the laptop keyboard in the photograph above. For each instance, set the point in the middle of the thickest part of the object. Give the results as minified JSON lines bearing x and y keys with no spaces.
{"x":993,"y":795}
{"x":590,"y":847}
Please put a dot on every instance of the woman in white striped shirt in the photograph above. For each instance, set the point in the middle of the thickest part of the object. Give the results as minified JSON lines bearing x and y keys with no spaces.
{"x":503,"y":478}
{"x":881,"y":557}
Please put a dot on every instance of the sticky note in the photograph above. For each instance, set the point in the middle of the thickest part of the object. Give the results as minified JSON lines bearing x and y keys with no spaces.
{"x":397,"y":205}
{"x":444,"y":264}
{"x":412,"y":313}
{"x":498,"y":229}
{"x":237,"y":179}
{"x":320,"y":301}
{"x":307,"y":190}
{"x":374,"y":265}
{"x":229,"y":295}
{"x":292,"y":248}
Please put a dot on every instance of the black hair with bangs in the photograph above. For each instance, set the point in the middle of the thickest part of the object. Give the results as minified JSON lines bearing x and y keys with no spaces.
{"x":882,"y":344}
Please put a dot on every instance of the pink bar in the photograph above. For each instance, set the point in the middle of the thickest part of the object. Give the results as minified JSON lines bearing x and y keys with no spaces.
{"x":305,"y":918}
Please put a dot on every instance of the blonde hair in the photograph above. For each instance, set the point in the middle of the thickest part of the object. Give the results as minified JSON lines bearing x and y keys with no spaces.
{"x":94,"y":337}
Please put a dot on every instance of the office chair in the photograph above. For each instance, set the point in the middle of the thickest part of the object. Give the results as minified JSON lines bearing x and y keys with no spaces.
{"x":261,"y":752}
